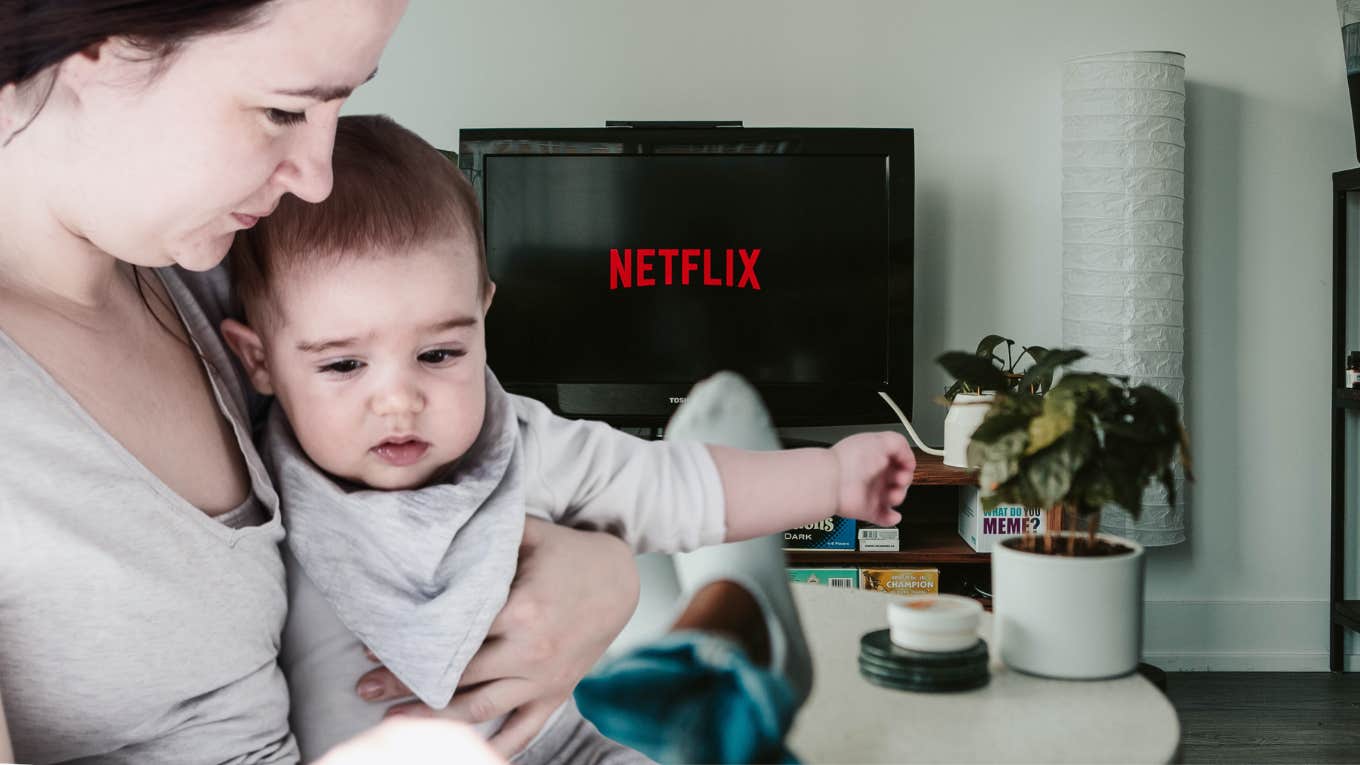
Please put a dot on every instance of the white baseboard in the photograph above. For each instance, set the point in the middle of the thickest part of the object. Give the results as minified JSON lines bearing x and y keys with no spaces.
{"x":1262,"y":661}
{"x":1240,"y":636}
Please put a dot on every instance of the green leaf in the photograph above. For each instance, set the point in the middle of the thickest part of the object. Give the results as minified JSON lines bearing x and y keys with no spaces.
{"x":1051,"y":471}
{"x":1036,"y":354}
{"x":973,"y":370}
{"x":954,"y":390}
{"x":1123,"y":474}
{"x":999,"y":459}
{"x":1091,"y":441}
{"x":1092,"y":487}
{"x":997,"y":425}
{"x":1158,"y":410}
{"x":1168,"y":479}
{"x":1008,"y":413}
{"x":987,"y":346}
{"x":1089,"y":389}
{"x":1056,"y":421}
{"x":1041,"y":374}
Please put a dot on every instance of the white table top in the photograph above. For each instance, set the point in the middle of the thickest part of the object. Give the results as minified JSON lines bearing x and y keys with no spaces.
{"x":1014,"y":718}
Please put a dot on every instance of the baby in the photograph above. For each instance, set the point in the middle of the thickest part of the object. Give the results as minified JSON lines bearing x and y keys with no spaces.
{"x":405,"y":471}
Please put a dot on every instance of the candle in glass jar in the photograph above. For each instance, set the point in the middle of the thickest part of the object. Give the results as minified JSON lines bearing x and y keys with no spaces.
{"x":934,"y":623}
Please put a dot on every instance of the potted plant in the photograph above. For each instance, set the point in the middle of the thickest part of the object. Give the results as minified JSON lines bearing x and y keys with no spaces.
{"x":977,"y":378}
{"x":1069,"y":602}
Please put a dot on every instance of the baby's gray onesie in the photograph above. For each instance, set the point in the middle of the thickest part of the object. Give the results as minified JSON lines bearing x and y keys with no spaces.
{"x":418,"y":576}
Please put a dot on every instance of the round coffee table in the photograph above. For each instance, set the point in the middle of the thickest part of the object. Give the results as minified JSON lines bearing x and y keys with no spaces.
{"x":1014,"y":718}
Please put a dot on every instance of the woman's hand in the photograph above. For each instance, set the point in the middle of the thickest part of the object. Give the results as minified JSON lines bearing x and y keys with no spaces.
{"x":574,"y":591}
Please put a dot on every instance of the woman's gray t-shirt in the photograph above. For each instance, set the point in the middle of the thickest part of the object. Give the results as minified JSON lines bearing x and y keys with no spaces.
{"x":133,"y":627}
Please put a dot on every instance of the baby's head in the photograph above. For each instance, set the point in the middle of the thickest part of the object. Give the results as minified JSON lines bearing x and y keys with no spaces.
{"x":366,"y":312}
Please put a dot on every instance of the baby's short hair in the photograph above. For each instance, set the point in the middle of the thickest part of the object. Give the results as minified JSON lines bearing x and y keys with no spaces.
{"x":393,"y":192}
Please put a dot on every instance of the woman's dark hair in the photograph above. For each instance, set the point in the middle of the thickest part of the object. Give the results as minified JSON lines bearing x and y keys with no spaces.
{"x":40,"y":33}
{"x":35,"y":34}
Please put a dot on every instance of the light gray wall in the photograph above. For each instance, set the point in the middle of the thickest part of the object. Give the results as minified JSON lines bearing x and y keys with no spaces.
{"x":979,"y":82}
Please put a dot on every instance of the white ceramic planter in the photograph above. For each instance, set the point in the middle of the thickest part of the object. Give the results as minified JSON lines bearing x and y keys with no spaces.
{"x":1073,"y":618}
{"x":964,"y":417}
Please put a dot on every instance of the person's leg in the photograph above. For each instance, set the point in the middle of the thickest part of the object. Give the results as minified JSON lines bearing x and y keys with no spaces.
{"x":728,"y":609}
{"x":725,"y":410}
{"x":659,"y":600}
{"x":700,"y":693}
{"x":713,"y":666}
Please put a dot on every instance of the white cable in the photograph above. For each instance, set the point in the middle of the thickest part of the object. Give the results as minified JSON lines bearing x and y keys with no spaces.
{"x":910,"y":430}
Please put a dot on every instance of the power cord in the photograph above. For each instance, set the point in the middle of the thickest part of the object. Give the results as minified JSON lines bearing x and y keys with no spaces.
{"x":907,"y":424}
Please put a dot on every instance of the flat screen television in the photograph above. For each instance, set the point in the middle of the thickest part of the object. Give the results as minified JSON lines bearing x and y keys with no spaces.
{"x":632,"y":262}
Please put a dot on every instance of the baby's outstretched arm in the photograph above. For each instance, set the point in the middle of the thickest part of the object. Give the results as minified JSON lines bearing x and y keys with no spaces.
{"x":863,"y":476}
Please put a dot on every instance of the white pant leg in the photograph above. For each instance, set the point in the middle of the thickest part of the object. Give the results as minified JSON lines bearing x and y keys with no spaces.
{"x":727,"y":411}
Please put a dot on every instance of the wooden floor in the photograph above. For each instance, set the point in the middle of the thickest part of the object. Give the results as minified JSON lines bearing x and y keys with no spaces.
{"x":1266,"y":717}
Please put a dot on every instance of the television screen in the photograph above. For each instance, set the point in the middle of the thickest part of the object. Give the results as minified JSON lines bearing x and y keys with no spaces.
{"x":624,"y":277}
{"x":674,"y":267}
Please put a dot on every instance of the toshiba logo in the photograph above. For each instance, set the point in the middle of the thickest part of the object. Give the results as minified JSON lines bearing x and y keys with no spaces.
{"x":677,"y":399}
{"x":653,"y":266}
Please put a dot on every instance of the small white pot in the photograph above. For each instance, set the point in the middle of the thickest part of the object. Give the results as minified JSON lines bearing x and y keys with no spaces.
{"x":1066,"y":617}
{"x":964,"y":417}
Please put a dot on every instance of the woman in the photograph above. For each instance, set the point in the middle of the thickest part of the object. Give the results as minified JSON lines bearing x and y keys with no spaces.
{"x":141,"y":586}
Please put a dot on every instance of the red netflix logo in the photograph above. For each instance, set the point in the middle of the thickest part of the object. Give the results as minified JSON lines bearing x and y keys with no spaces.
{"x":643,"y":264}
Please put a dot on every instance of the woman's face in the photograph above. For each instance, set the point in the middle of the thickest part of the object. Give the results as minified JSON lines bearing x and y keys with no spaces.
{"x":164,"y":167}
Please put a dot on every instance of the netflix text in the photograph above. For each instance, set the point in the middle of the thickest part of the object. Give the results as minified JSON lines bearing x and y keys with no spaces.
{"x":652,"y":266}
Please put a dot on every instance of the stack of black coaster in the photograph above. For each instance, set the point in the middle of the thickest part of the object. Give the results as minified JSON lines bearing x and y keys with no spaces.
{"x":891,"y":666}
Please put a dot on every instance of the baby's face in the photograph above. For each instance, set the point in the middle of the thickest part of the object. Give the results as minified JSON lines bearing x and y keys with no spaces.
{"x":380,"y":363}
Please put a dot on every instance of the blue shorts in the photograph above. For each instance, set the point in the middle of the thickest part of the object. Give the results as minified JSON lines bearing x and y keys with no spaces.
{"x":691,"y":697}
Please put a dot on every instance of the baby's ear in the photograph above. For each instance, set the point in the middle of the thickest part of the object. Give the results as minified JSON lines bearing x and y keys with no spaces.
{"x":9,"y":111}
{"x":246,"y":344}
{"x":486,"y":299}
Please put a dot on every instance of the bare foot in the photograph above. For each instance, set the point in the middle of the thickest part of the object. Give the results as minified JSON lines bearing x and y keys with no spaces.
{"x":726,"y":608}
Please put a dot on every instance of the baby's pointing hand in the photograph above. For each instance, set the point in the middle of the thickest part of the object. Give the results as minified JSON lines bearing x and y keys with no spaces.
{"x":875,"y":471}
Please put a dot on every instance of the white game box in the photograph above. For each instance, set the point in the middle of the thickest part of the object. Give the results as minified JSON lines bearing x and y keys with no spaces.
{"x":981,"y":528}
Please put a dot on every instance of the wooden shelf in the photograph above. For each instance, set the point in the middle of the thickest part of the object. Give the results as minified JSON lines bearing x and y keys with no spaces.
{"x":1346,"y":180}
{"x":1347,"y":614}
{"x":1346,"y":398}
{"x":931,"y":471}
{"x":921,"y":546}
{"x":929,"y":534}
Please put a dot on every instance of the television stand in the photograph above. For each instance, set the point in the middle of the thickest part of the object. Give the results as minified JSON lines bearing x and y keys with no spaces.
{"x":658,"y":433}
{"x":928,"y":533}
